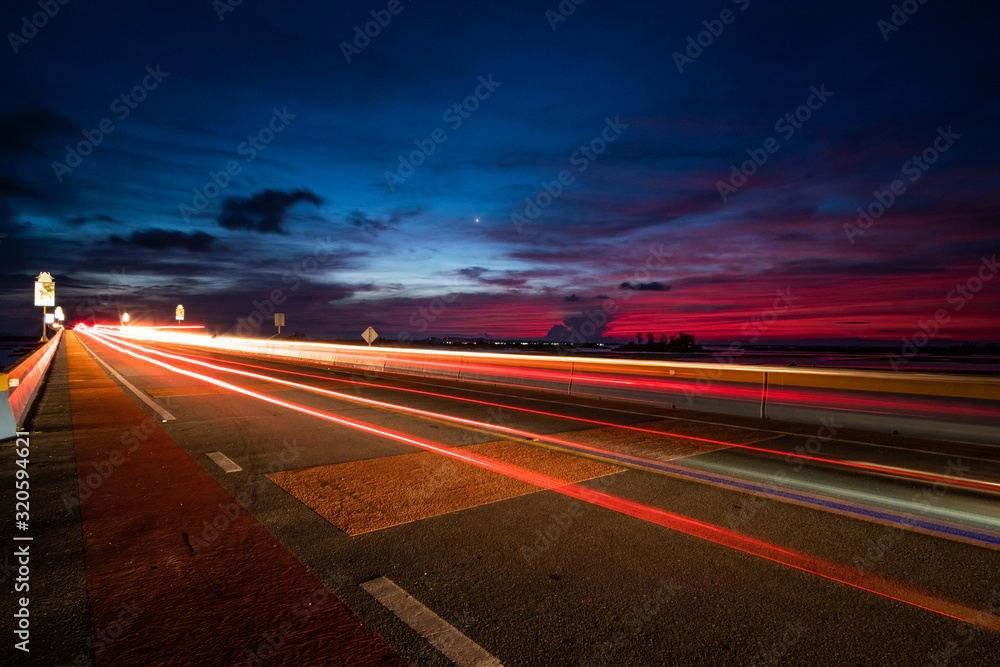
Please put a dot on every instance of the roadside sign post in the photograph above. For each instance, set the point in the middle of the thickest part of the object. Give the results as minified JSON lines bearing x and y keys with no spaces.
{"x":179,"y":313}
{"x":279,"y":321}
{"x":369,"y":335}
{"x":45,"y":296}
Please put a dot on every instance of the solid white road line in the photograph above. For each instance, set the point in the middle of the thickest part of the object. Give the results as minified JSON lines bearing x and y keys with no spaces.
{"x":443,"y":636}
{"x":164,"y":415}
{"x":224,"y":462}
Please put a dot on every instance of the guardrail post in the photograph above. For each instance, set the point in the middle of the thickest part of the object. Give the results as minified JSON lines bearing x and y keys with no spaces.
{"x":763,"y":397}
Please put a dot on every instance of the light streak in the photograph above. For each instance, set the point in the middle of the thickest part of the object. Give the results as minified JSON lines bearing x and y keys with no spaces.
{"x":137,"y":327}
{"x":845,"y":391}
{"x":635,"y":460}
{"x":679,"y":523}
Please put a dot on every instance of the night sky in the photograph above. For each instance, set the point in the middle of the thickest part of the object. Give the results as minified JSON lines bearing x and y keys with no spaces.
{"x":513,"y":168}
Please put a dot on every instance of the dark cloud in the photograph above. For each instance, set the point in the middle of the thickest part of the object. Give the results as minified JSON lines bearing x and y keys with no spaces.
{"x":572,"y":298}
{"x":32,"y":131}
{"x":29,"y":141}
{"x":264,"y":212}
{"x":84,"y":219}
{"x":511,"y":279}
{"x":372,"y":225}
{"x":645,"y":287}
{"x":361,"y":221}
{"x":587,"y":327}
{"x":166,"y":239}
{"x":473,"y":272}
{"x":372,"y":287}
{"x":15,"y":186}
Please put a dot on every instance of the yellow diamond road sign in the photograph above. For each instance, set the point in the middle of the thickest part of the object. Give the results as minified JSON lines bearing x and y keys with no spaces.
{"x":369,"y":335}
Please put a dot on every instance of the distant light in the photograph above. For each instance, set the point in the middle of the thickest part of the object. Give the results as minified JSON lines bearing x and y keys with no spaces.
{"x":125,"y":318}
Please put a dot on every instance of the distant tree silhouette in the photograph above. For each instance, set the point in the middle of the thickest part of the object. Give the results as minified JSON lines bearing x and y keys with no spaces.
{"x":682,"y":342}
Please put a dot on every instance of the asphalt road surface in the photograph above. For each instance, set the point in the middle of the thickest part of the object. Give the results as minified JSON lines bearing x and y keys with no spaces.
{"x":536,"y":530}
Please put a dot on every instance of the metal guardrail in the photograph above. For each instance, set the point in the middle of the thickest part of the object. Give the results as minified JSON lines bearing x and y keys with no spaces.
{"x":943,"y":406}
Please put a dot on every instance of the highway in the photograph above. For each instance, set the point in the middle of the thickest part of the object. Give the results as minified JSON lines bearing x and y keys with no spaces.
{"x":541,"y":530}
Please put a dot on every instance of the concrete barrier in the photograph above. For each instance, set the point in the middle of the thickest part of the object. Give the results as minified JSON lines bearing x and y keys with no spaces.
{"x":704,"y":387}
{"x":20,"y":387}
{"x":551,"y":374}
{"x":950,"y":407}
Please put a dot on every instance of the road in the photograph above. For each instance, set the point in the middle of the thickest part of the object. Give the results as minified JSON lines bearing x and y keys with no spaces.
{"x":543,"y":531}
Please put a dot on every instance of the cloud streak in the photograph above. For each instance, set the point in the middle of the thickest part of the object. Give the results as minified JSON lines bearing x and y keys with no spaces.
{"x":265,"y":212}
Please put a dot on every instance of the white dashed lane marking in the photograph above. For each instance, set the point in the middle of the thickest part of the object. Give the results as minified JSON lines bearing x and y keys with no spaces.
{"x":443,"y":636}
{"x":224,"y":462}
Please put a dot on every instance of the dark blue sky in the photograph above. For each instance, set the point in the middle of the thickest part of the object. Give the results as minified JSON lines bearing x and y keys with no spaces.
{"x":488,"y":168}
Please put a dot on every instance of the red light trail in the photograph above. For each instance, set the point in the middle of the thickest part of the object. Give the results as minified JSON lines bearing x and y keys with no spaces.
{"x":670,"y":520}
{"x":192,"y":359}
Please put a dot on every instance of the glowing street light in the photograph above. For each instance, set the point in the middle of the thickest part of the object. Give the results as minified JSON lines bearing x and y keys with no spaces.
{"x":125,"y":318}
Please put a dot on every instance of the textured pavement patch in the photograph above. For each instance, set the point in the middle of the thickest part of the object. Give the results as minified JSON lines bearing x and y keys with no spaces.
{"x":362,"y":496}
